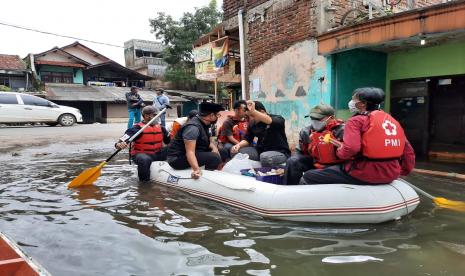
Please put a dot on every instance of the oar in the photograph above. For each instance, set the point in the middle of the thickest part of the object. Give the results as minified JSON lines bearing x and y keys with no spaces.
{"x":439,"y":201}
{"x":89,"y":176}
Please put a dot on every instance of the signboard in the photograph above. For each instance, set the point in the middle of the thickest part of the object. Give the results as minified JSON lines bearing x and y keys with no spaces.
{"x":207,"y":71}
{"x":202,"y":53}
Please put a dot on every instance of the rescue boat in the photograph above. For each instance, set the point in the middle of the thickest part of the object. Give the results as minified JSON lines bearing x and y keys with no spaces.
{"x":329,"y":203}
{"x":14,"y":261}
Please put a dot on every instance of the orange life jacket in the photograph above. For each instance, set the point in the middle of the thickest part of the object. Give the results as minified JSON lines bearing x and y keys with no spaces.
{"x":239,"y":130}
{"x":385,"y":137}
{"x":150,"y":141}
{"x":177,"y":124}
{"x":324,"y":154}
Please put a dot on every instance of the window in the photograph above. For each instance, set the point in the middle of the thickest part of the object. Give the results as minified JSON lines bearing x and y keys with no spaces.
{"x":56,"y":77}
{"x":32,"y":100}
{"x":5,"y":81}
{"x":8,"y":99}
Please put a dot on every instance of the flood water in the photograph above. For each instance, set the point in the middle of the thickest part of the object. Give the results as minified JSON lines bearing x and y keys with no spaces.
{"x":118,"y":227}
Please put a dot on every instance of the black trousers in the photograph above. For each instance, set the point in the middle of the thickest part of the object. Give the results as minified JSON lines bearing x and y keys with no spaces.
{"x":330,"y":175}
{"x":296,"y":165}
{"x":144,"y":160}
{"x":210,"y":160}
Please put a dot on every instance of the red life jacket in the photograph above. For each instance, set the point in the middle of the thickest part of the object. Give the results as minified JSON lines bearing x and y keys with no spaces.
{"x":239,"y":130}
{"x":385,"y":137}
{"x":150,"y":141}
{"x":324,"y":154}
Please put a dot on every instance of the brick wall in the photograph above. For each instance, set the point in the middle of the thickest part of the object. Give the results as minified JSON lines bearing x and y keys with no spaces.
{"x":283,"y":25}
{"x":231,"y":7}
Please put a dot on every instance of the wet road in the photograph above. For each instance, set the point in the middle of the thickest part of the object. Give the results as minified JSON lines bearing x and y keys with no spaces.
{"x":120,"y":228}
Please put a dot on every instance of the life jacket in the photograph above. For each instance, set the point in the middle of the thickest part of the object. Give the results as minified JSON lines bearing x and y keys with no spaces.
{"x":324,"y":154}
{"x":150,"y":141}
{"x":385,"y":137}
{"x":239,"y":130}
{"x":177,"y":147}
{"x":177,"y":124}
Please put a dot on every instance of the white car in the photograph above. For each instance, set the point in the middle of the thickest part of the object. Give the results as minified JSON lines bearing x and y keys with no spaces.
{"x":23,"y":108}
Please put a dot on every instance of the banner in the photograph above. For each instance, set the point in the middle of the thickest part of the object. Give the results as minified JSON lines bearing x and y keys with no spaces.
{"x":202,"y":53}
{"x":220,"y":54}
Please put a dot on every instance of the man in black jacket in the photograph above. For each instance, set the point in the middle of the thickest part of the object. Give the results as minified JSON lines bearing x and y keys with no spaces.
{"x":192,"y":146}
{"x":135,"y":104}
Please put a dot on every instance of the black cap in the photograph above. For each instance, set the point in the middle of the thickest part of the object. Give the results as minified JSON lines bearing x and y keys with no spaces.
{"x":208,"y":108}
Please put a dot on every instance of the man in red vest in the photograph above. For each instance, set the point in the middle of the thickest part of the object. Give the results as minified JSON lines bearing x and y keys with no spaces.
{"x":312,"y":151}
{"x":148,"y":146}
{"x":375,"y":147}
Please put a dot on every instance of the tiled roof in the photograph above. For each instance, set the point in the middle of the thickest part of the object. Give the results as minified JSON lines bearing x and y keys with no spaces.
{"x":60,"y":63}
{"x":11,"y":62}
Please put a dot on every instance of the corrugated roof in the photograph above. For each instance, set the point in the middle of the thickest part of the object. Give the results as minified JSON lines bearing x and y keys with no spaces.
{"x":11,"y":62}
{"x":73,"y":92}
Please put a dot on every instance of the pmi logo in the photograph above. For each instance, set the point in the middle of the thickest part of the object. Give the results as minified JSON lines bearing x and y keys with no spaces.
{"x":389,"y":128}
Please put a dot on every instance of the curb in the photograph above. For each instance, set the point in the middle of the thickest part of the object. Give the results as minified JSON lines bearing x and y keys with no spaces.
{"x":439,"y":173}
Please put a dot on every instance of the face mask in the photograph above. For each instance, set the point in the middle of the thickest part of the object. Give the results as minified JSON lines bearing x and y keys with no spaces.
{"x":318,"y":125}
{"x":353,"y":109}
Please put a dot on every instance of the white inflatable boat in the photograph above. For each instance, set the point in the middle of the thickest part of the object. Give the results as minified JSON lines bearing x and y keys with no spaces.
{"x":330,"y":203}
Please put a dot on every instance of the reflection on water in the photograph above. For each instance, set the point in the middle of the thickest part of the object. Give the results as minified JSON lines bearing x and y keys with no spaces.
{"x":118,"y":227}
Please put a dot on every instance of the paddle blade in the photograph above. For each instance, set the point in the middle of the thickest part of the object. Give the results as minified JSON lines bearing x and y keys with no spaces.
{"x":449,"y":204}
{"x":87,"y":177}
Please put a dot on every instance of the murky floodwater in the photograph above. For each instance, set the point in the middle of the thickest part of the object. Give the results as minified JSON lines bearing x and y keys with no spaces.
{"x":120,"y":228}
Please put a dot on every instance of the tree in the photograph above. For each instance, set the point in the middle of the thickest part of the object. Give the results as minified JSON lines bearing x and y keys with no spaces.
{"x":179,"y":35}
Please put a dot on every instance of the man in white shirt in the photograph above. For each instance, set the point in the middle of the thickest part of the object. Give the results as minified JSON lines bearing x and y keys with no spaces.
{"x":161,"y":101}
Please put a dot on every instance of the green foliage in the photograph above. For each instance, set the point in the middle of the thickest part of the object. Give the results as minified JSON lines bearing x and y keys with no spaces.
{"x":179,"y":35}
{"x":4,"y":88}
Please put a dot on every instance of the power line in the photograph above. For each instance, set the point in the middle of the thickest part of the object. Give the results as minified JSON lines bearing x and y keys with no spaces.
{"x":55,"y":34}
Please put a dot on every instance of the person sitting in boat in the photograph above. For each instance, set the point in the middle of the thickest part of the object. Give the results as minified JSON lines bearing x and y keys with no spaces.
{"x":179,"y":122}
{"x":234,"y":127}
{"x":312,"y":152}
{"x":265,"y":140}
{"x":192,"y":146}
{"x":147,"y":146}
{"x":374,"y":145}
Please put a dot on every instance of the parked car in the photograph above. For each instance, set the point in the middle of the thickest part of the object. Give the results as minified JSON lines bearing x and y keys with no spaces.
{"x":23,"y":108}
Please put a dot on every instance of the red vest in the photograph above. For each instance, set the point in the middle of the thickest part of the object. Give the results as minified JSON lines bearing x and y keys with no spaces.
{"x":150,"y":141}
{"x":384,"y":139}
{"x":324,"y":154}
{"x":239,"y":131}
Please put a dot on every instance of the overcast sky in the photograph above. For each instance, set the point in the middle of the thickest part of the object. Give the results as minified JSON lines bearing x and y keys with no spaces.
{"x":109,"y":21}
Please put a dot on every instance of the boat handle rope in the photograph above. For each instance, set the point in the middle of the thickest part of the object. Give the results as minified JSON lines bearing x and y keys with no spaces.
{"x":405,"y":201}
{"x":251,"y":189}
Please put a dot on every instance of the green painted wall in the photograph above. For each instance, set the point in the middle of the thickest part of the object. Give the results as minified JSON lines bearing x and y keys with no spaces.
{"x":442,"y":60}
{"x":354,"y":69}
{"x":78,"y":76}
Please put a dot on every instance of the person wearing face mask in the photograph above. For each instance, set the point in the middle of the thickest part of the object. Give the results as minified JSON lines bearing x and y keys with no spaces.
{"x":374,"y":146}
{"x":147,"y":146}
{"x":192,"y":146}
{"x":312,"y":152}
{"x":265,"y":140}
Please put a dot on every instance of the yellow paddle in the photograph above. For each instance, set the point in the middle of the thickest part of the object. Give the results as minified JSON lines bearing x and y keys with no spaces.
{"x":438,"y":201}
{"x":89,"y":176}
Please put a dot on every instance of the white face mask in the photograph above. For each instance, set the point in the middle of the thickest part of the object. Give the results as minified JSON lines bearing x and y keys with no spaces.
{"x":318,"y":125}
{"x":353,"y":109}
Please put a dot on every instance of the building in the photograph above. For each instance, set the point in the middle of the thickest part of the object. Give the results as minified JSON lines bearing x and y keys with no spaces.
{"x":285,"y":66}
{"x":145,"y":57}
{"x":14,"y":74}
{"x":77,"y":76}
